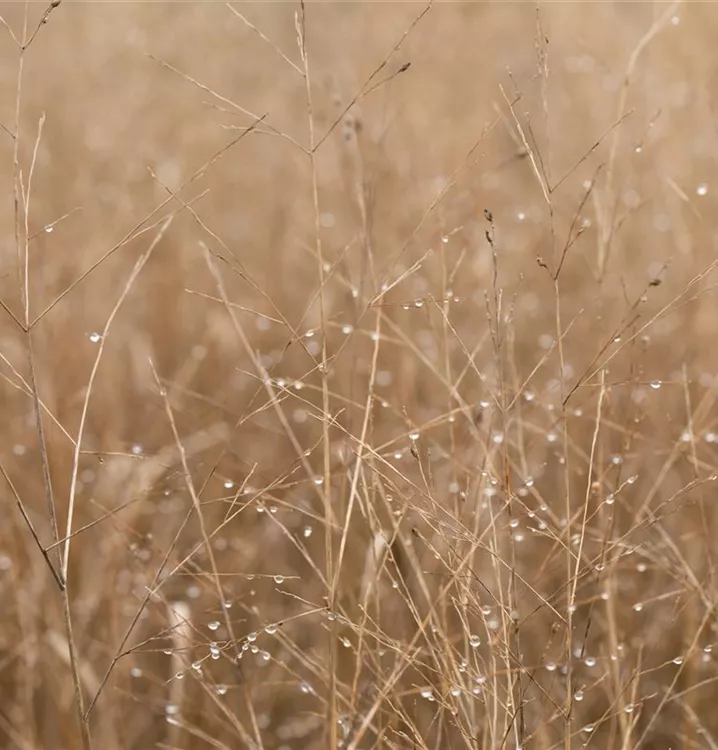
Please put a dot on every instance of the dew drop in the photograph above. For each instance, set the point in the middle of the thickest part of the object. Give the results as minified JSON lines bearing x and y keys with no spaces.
{"x":214,"y":625}
{"x":271,"y":629}
{"x":474,"y":641}
{"x":95,"y":337}
{"x":656,"y":384}
{"x":702,"y":189}
{"x":307,"y":532}
{"x":221,"y":689}
{"x":279,"y":579}
{"x":228,"y":484}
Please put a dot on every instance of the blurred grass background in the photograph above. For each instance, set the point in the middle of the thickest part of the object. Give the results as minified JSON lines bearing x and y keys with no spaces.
{"x":423,"y":463}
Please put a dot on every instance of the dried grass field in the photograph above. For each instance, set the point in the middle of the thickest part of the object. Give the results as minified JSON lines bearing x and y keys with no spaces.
{"x":359,"y":375}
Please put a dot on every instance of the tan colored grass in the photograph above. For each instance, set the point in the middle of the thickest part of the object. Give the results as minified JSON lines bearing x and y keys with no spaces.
{"x":358,"y":376}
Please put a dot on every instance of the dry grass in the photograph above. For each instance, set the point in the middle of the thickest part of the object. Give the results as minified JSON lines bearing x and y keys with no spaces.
{"x":355,"y":404}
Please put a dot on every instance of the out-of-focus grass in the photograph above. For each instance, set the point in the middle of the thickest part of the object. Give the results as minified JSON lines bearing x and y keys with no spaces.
{"x":405,"y":440}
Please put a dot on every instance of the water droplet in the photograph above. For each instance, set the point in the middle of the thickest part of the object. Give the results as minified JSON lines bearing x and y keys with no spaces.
{"x":445,"y":239}
{"x":347,"y":329}
{"x":214,"y":625}
{"x":197,"y":666}
{"x":629,"y":709}
{"x":610,"y":499}
{"x":632,"y":479}
{"x":638,"y":607}
{"x":413,"y":436}
{"x":307,"y":532}
{"x":656,"y":384}
{"x":49,"y":228}
{"x":305,"y":688}
{"x":228,"y":484}
{"x":279,"y":579}
{"x":136,"y":672}
{"x":551,"y":666}
{"x":252,"y":637}
{"x":95,"y":337}
{"x":590,"y":661}
{"x":578,"y":695}
{"x":319,"y":481}
{"x":271,"y":629}
{"x":678,"y":660}
{"x":427,"y":693}
{"x":221,"y":689}
{"x":588,"y":729}
{"x":702,"y":189}
{"x":346,"y":643}
{"x":474,"y":641}
{"x":520,"y":215}
{"x":171,"y":709}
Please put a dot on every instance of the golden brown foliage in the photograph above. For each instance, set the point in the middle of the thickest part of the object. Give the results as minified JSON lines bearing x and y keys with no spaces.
{"x":372,"y":346}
